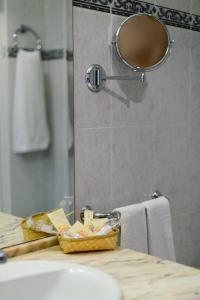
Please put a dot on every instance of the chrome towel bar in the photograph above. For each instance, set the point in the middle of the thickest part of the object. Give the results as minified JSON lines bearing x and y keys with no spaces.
{"x":156,"y":195}
{"x":112,"y":215}
{"x":22,"y":30}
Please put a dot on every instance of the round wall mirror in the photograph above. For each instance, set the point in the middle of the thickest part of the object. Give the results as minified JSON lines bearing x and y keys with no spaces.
{"x":143,"y":42}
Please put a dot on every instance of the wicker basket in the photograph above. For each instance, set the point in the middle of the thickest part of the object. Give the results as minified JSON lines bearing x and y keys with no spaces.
{"x":31,"y":235}
{"x":104,"y":242}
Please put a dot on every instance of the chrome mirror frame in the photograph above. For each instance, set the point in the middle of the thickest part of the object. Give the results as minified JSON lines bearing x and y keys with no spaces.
{"x":136,"y":68}
{"x":96,"y":77}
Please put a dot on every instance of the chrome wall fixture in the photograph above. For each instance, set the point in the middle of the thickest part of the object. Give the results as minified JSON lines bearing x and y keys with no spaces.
{"x":156,"y":195}
{"x":159,"y":25}
{"x":22,"y":30}
{"x":112,"y":215}
{"x":49,"y":54}
{"x":136,"y":47}
{"x":96,"y":77}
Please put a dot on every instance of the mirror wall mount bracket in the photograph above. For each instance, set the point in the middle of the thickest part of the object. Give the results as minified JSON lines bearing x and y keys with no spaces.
{"x":96,"y":77}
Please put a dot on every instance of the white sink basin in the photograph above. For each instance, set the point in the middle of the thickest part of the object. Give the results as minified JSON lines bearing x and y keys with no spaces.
{"x":46,"y":280}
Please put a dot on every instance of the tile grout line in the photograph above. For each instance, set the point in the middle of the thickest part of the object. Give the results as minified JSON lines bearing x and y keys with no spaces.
{"x":186,"y":213}
{"x":168,"y":125}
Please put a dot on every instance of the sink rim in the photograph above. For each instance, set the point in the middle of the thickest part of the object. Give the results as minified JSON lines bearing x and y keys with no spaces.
{"x":50,"y":266}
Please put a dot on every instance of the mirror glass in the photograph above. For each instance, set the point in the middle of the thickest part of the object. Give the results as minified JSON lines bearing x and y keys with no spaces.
{"x":36,"y":112}
{"x":142,"y":42}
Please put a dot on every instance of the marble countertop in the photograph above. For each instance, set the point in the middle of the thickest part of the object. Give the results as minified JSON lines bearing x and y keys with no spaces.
{"x":141,"y":276}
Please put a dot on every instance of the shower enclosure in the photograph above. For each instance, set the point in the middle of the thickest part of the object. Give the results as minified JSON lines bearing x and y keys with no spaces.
{"x":38,"y":180}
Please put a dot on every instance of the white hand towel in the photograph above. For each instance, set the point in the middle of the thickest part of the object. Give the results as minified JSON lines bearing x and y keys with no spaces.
{"x":159,"y":228}
{"x":133,"y":227}
{"x":30,"y":130}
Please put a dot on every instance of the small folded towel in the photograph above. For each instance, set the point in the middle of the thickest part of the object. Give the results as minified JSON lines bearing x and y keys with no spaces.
{"x":30,"y":130}
{"x":133,"y":227}
{"x":159,"y":228}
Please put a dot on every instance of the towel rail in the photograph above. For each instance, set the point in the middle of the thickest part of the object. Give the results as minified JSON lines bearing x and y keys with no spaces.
{"x":22,"y":30}
{"x":156,"y":195}
{"x":45,"y":54}
{"x":112,"y":215}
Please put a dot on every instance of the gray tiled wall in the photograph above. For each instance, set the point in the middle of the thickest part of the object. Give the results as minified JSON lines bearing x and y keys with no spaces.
{"x":132,"y":139}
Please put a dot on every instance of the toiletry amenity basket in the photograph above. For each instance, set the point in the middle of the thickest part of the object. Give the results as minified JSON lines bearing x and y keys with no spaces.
{"x":94,"y":243}
{"x":31,"y":235}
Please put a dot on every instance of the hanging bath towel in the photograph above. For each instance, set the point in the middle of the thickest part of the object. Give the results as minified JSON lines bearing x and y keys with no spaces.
{"x":30,"y":130}
{"x":159,"y":228}
{"x":133,"y":227}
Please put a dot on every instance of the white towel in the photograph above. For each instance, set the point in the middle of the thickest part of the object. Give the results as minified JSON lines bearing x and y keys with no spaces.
{"x":133,"y":227}
{"x":30,"y":130}
{"x":159,"y":228}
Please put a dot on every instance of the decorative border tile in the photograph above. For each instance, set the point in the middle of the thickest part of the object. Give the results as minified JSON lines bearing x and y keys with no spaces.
{"x":46,"y":54}
{"x":52,"y":54}
{"x":126,"y":8}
